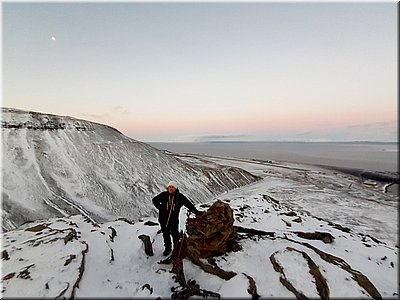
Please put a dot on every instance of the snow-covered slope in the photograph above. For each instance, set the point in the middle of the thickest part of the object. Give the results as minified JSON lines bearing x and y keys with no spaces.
{"x":59,"y":166}
{"x":284,"y":253}
{"x":326,"y":235}
{"x":362,"y":205}
{"x":304,"y":231}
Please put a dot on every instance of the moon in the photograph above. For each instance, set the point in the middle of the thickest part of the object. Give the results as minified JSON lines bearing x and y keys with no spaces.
{"x":53,"y":38}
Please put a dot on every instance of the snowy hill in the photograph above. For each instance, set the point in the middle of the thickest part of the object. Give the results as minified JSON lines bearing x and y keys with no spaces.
{"x":303,"y":232}
{"x":59,"y":166}
{"x":284,"y":253}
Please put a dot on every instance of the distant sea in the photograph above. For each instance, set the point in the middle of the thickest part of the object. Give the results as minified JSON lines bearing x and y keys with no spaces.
{"x":370,"y":156}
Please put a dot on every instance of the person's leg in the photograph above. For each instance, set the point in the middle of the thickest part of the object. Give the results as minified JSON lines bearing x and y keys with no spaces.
{"x":175,"y":232}
{"x":167,"y":239}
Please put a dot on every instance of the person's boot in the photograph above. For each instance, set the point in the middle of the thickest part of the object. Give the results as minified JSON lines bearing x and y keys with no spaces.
{"x":167,"y":251}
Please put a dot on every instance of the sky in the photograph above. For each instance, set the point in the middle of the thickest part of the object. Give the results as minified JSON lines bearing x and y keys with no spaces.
{"x":168,"y":71}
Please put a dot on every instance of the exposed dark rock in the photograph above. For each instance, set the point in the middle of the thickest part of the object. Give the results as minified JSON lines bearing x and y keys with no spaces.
{"x":342,"y":228}
{"x":285,"y":282}
{"x":81,"y":270}
{"x":148,"y":248}
{"x":337,"y":226}
{"x":8,"y":276}
{"x":187,"y":289}
{"x":112,"y":254}
{"x":272,"y":200}
{"x":245,"y":207}
{"x":192,"y":289}
{"x":4,"y":255}
{"x":39,"y":121}
{"x":70,"y":236}
{"x":210,"y":234}
{"x":177,"y":269}
{"x":25,"y":274}
{"x":113,"y":233}
{"x":326,"y":237}
{"x":212,"y":269}
{"x":360,"y":278}
{"x":126,"y":220}
{"x":69,"y":259}
{"x":63,"y":291}
{"x":253,"y":231}
{"x":297,"y":220}
{"x":289,"y":214}
{"x":37,"y":228}
{"x":90,"y":221}
{"x":151,"y":223}
{"x":364,"y":239}
{"x":320,"y":281}
{"x":147,"y":286}
{"x":252,"y":289}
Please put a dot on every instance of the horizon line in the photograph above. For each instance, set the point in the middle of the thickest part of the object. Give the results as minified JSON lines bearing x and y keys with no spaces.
{"x":277,"y":141}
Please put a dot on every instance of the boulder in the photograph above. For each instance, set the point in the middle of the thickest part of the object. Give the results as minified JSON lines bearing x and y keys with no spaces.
{"x":212,"y":233}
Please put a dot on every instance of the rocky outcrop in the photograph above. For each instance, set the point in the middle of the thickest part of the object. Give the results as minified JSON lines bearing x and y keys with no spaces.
{"x":64,"y":257}
{"x":357,"y":276}
{"x":148,"y":248}
{"x":46,"y":241}
{"x":212,"y":233}
{"x":320,"y":281}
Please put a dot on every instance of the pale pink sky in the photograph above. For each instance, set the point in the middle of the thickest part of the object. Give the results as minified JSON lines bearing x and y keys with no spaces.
{"x":177,"y":71}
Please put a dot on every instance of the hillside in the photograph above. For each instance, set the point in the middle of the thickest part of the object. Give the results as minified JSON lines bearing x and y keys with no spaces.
{"x":304,"y":232}
{"x":283,"y":253}
{"x":54,"y":166}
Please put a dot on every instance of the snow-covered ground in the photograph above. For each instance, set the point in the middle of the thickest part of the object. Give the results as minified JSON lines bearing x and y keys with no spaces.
{"x":326,"y":233}
{"x":55,"y":166}
{"x":72,"y":256}
{"x":324,"y":193}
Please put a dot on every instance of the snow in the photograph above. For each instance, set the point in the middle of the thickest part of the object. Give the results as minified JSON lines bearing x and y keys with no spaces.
{"x":120,"y":267}
{"x":76,"y":255}
{"x":58,"y":166}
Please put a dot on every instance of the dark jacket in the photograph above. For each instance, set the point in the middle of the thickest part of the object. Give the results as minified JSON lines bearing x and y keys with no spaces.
{"x":169,"y":207}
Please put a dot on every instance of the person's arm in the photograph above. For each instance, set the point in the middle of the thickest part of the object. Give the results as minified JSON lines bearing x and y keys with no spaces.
{"x":157,"y":201}
{"x":190,"y":206}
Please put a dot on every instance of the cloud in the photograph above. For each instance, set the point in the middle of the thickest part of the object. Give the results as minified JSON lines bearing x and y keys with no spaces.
{"x":99,"y":117}
{"x":388,"y":124}
{"x":374,"y":132}
{"x":305,"y":133}
{"x":216,"y":137}
{"x":105,"y":117}
{"x":121,"y":110}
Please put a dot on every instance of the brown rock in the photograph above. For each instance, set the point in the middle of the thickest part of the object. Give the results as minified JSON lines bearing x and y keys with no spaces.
{"x":148,"y":248}
{"x":211,"y":234}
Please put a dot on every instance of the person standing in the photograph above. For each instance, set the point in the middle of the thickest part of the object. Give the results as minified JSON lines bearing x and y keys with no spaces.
{"x":169,"y":204}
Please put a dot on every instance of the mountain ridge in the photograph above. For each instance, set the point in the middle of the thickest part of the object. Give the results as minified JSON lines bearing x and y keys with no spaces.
{"x":57,"y":166}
